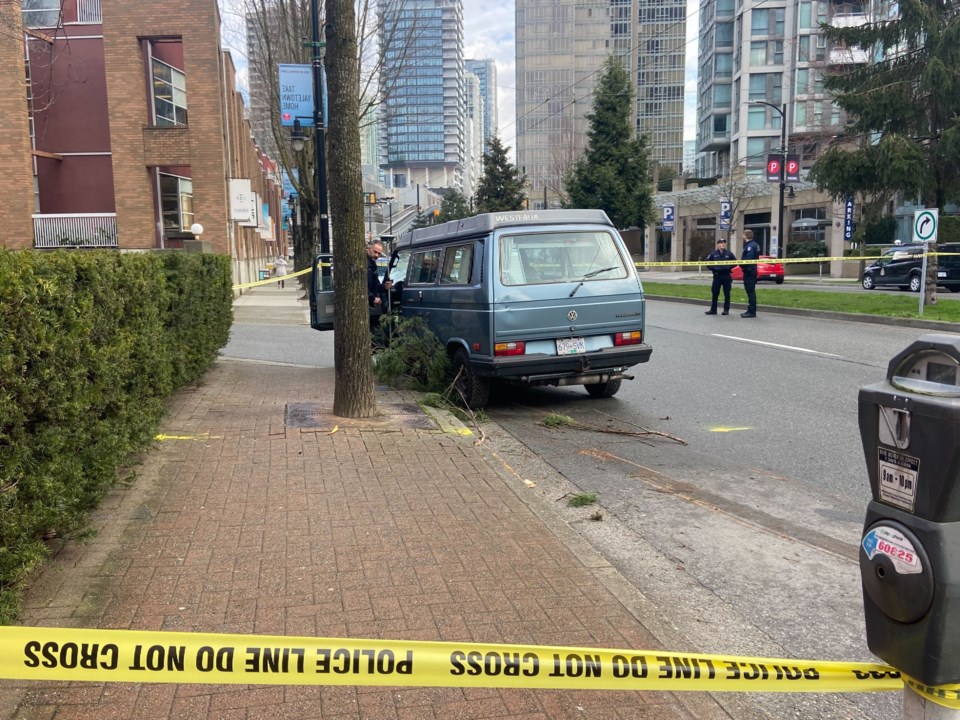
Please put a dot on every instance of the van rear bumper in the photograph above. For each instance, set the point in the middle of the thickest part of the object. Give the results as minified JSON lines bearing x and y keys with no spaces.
{"x":546,"y":368}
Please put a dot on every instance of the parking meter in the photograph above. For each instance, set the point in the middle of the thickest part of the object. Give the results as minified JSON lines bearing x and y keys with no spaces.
{"x":910,"y":551}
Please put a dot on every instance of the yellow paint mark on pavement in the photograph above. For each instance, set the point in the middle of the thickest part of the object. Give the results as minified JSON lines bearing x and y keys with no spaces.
{"x":721,"y":428}
{"x":201,"y":436}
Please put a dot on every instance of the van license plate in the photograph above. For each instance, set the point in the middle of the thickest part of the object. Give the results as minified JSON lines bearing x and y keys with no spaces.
{"x":941,"y":273}
{"x":571,"y":346}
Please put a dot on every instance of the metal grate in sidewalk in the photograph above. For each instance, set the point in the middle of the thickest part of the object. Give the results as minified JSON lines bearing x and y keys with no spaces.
{"x":319,"y":416}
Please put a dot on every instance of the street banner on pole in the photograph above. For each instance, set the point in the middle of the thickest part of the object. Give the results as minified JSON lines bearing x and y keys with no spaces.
{"x":793,"y":168}
{"x":669,"y":216}
{"x":848,"y":219}
{"x":773,"y":168}
{"x":296,"y":95}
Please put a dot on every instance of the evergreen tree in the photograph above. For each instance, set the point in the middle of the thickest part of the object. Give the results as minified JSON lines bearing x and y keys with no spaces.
{"x":614,"y":172}
{"x":454,"y":206}
{"x":501,"y":186}
{"x":904,"y":108}
{"x":420,"y":221}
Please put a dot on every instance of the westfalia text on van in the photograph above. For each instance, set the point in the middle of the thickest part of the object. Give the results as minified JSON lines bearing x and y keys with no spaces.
{"x":541,"y":298}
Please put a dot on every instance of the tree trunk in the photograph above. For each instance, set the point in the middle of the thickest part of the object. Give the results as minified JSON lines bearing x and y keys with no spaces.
{"x":353,"y":393}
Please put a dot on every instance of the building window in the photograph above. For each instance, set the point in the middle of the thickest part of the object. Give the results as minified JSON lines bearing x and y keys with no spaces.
{"x":760,"y":22}
{"x":169,"y":95}
{"x":756,"y":118}
{"x":41,"y":13}
{"x":724,"y":65}
{"x":756,"y":147}
{"x":176,"y":202}
{"x":758,"y":87}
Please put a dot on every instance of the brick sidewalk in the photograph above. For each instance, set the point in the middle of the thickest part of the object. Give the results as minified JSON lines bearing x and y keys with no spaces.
{"x":377,"y":530}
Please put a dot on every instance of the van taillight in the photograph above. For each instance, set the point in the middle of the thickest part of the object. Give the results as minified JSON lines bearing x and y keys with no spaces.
{"x":634,"y":337}
{"x":510,"y":348}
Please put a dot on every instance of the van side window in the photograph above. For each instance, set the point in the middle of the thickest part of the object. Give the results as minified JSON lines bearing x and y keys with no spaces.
{"x":424,"y":266}
{"x":457,"y":264}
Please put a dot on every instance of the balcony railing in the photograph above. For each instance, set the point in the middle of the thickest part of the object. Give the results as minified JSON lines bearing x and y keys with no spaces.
{"x":88,"y":11}
{"x":82,"y":230}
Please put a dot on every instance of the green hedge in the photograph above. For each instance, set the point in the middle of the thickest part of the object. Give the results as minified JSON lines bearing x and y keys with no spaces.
{"x":91,"y":344}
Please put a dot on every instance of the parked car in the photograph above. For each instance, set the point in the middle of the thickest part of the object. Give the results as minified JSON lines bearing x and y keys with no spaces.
{"x":772,"y":269}
{"x":901,"y":267}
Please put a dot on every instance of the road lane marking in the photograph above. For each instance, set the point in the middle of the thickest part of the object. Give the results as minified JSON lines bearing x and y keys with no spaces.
{"x":721,"y":428}
{"x":777,"y":345}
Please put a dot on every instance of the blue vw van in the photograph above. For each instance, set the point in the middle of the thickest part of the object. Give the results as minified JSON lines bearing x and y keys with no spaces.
{"x":546,"y":297}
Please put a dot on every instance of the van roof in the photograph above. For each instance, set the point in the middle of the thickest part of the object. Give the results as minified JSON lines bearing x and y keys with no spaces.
{"x":487,"y":222}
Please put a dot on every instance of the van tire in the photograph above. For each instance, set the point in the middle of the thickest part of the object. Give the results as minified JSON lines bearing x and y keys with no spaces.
{"x":472,"y":389}
{"x":603,"y":389}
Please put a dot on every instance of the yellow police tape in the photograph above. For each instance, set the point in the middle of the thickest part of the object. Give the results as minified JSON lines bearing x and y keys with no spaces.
{"x":271,"y":279}
{"x":780,"y":261}
{"x":52,"y":654}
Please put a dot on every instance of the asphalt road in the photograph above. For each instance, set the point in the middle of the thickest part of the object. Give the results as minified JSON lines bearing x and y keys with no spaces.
{"x":744,"y":535}
{"x":761,"y":509}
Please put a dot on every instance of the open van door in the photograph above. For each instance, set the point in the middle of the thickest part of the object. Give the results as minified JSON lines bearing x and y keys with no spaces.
{"x":321,"y":292}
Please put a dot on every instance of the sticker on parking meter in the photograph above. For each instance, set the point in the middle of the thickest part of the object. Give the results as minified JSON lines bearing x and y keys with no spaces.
{"x":897,"y":478}
{"x":885,"y":540}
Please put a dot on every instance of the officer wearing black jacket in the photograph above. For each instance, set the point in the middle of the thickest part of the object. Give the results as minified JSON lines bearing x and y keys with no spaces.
{"x":376,"y":290}
{"x":721,"y":277}
{"x":751,"y":251}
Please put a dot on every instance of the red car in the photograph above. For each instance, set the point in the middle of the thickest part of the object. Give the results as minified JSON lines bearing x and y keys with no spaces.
{"x":769,"y":268}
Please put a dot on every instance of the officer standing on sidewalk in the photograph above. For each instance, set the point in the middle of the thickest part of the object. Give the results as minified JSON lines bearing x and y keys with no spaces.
{"x":721,"y":277}
{"x":751,"y":251}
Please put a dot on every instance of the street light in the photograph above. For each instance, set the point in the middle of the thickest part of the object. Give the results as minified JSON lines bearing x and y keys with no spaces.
{"x":783,"y":169}
{"x":389,"y":201}
{"x":298,"y":139}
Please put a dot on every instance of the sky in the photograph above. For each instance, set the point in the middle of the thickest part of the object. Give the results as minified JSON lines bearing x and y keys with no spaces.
{"x":489,"y":33}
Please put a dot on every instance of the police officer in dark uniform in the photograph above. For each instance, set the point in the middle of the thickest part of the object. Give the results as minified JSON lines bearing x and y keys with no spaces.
{"x":721,"y":277}
{"x":751,"y":251}
{"x":376,"y":290}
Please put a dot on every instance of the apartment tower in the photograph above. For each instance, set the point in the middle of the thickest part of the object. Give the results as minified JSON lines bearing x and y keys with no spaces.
{"x":561,"y":45}
{"x":486,"y":72}
{"x":424,"y":93}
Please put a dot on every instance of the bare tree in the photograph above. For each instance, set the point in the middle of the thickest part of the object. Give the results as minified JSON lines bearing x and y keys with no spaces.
{"x":276,"y":30}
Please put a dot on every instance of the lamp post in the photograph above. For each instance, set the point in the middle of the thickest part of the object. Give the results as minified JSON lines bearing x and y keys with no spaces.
{"x":298,"y":139}
{"x":389,"y":201}
{"x":783,"y":170}
{"x":320,"y":139}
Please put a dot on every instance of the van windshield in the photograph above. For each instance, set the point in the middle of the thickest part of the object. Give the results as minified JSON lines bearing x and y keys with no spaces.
{"x":562,"y":256}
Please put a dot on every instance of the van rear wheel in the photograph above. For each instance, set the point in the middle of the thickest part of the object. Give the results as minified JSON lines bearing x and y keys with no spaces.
{"x":603,"y":389}
{"x":474,"y":390}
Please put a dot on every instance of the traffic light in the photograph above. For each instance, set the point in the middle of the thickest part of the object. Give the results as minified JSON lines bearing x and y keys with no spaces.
{"x":436,"y":212}
{"x":372,"y":199}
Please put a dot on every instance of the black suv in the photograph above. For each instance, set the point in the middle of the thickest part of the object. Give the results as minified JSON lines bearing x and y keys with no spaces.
{"x":901,"y":266}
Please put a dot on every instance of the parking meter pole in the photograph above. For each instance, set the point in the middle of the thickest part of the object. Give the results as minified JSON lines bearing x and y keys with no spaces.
{"x":917,"y":707}
{"x":923,"y":279}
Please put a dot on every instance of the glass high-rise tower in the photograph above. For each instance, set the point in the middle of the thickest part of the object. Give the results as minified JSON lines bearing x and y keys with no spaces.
{"x":424,"y":93}
{"x":561,"y":45}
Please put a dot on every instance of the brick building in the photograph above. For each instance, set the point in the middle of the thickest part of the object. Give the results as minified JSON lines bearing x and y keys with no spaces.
{"x":123,"y":129}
